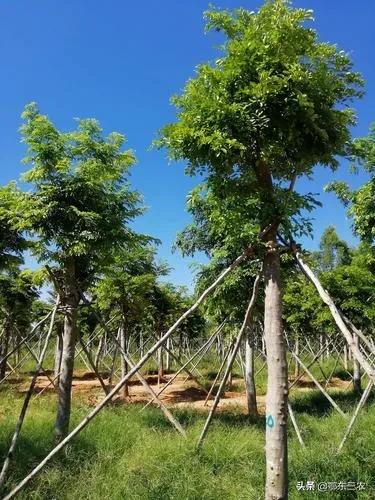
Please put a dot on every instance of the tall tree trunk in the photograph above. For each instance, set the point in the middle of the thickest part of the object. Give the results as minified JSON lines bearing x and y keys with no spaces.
{"x":70,"y":301}
{"x":321,"y":347}
{"x":249,"y":375}
{"x":277,"y":385}
{"x":99,"y":351}
{"x":345,"y":357}
{"x":160,"y":364}
{"x":141,"y":344}
{"x":4,"y":345}
{"x":124,"y":364}
{"x":328,"y":353}
{"x":58,"y":351}
{"x":167,"y":355}
{"x":296,"y":365}
{"x":230,"y":375}
{"x":356,"y":369}
{"x":16,"y":342}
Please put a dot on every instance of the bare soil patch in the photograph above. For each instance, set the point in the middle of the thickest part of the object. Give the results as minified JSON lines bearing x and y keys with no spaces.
{"x":181,"y":393}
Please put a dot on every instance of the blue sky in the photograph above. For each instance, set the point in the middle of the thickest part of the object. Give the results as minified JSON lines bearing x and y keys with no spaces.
{"x":121,"y":61}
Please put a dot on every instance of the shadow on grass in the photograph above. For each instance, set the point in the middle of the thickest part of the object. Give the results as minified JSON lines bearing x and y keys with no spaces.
{"x":32,"y":450}
{"x":342,"y":373}
{"x":315,"y":403}
{"x":189,"y":418}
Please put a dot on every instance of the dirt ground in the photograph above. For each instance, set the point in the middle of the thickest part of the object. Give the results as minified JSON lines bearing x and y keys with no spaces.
{"x":181,"y":393}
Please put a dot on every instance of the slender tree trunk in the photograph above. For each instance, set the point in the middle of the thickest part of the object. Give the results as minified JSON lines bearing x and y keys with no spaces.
{"x":263,"y":345}
{"x":4,"y":345}
{"x":99,"y":351}
{"x":345,"y":357}
{"x":328,"y":354}
{"x":167,"y":356}
{"x":230,"y":375}
{"x":356,"y":369}
{"x":350,"y":355}
{"x":141,"y":345}
{"x":124,"y":364}
{"x":249,"y":375}
{"x":17,"y":353}
{"x":296,"y":363}
{"x":277,"y":385}
{"x":58,"y":352}
{"x":160,"y":364}
{"x":70,"y":302}
{"x":321,"y":346}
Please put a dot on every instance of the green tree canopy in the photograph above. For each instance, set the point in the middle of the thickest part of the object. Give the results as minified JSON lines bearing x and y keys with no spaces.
{"x":80,"y":203}
{"x":267,"y":111}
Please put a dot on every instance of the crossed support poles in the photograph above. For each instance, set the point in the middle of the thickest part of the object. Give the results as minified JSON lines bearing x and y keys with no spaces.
{"x":135,"y":367}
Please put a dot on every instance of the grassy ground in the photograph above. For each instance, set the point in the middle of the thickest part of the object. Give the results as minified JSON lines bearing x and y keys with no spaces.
{"x":125,"y":454}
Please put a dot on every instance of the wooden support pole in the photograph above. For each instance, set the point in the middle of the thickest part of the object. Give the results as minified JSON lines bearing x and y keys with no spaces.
{"x":336,"y":315}
{"x":208,"y":342}
{"x":28,"y":337}
{"x":25,"y":405}
{"x":356,"y":413}
{"x":228,"y":351}
{"x":323,"y":391}
{"x":294,"y":422}
{"x":92,"y":364}
{"x":246,"y":323}
{"x":132,"y":371}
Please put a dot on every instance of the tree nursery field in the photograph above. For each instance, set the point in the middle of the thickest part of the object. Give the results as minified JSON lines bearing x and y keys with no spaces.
{"x":119,"y":379}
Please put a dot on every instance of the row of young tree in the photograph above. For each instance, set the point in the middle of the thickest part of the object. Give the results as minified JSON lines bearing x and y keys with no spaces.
{"x":75,"y":219}
{"x":269,"y":112}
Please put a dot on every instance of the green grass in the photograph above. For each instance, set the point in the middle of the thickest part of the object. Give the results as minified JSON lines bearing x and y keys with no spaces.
{"x":125,"y":454}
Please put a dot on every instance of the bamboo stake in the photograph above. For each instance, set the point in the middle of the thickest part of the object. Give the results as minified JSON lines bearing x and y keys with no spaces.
{"x":202,"y":355}
{"x":145,"y":384}
{"x":294,"y":422}
{"x":332,"y":372}
{"x":317,"y":361}
{"x":220,"y":370}
{"x":28,"y":347}
{"x":154,"y":396}
{"x":246,"y":322}
{"x":356,"y":413}
{"x":308,"y":366}
{"x":360,"y":334}
{"x":92,"y":364}
{"x":25,"y":405}
{"x":188,"y":372}
{"x":132,"y":371}
{"x":28,"y":337}
{"x":184,"y":366}
{"x":324,"y":392}
{"x":336,"y":315}
{"x":57,"y":376}
{"x":13,"y":369}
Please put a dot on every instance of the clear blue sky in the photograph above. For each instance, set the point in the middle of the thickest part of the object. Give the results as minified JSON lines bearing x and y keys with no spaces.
{"x":121,"y":61}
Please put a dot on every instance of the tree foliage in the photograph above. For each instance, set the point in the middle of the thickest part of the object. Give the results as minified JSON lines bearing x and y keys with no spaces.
{"x":79,"y":203}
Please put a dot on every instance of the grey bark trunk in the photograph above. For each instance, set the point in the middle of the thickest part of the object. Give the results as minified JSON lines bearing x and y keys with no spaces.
{"x":124,"y":364}
{"x":297,"y":370}
{"x":249,"y":376}
{"x":277,"y":385}
{"x":356,"y":369}
{"x":345,"y":357}
{"x":4,"y":348}
{"x":70,"y":301}
{"x":160,"y":364}
{"x":58,"y":353}
{"x":167,"y":356}
{"x":230,"y":375}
